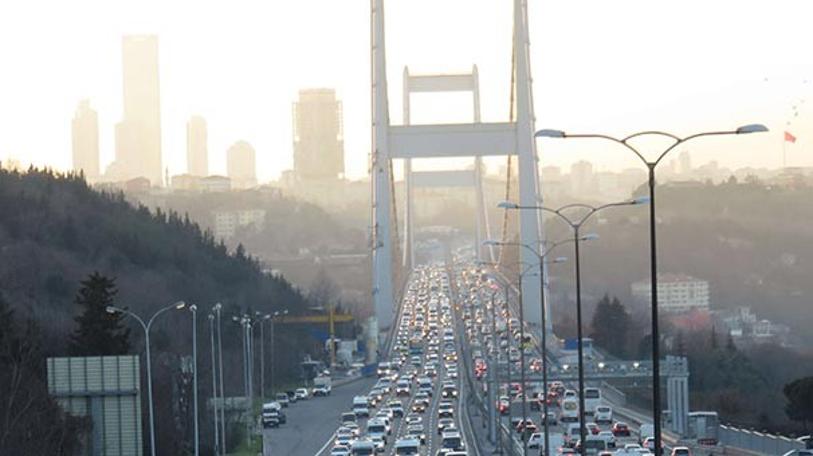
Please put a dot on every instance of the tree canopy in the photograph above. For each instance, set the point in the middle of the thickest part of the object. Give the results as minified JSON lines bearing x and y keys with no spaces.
{"x":99,"y":333}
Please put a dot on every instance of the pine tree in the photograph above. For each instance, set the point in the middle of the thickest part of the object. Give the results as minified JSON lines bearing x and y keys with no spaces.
{"x":99,"y":333}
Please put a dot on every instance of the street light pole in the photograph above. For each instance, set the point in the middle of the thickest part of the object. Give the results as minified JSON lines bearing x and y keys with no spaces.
{"x":214,"y":383}
{"x":263,"y":319}
{"x":575,"y":225}
{"x":653,"y":256}
{"x":496,"y":434}
{"x":217,"y":309}
{"x":194,"y":309}
{"x":111,"y":310}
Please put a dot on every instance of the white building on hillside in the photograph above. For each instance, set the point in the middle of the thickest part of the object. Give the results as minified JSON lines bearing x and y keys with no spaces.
{"x":227,"y":222}
{"x":676,"y":292}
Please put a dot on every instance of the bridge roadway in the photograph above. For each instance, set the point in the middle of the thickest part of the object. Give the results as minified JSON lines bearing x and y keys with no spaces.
{"x":634,"y":419}
{"x":312,"y":425}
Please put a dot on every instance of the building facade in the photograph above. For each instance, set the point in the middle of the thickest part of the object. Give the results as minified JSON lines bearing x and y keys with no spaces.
{"x":241,"y":165}
{"x":85,"y":141}
{"x":138,"y":135}
{"x":197,"y":151}
{"x":226,"y":223}
{"x":318,"y":135}
{"x":676,"y":293}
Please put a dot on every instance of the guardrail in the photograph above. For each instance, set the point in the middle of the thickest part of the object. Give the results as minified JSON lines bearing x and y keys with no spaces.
{"x":758,"y":442}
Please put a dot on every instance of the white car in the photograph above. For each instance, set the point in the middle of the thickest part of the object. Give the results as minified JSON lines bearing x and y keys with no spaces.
{"x":536,"y":441}
{"x":603,"y":415}
{"x":302,"y":394}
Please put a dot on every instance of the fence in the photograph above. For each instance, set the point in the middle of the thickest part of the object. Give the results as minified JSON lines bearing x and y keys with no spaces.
{"x":757,"y":442}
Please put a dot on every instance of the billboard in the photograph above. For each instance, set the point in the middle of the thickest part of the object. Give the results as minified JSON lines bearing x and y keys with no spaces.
{"x":107,"y":389}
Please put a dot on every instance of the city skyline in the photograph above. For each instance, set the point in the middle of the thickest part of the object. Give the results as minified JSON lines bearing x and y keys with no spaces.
{"x":743,"y":78}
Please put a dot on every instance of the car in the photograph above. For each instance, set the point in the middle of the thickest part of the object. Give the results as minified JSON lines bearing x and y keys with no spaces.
{"x":443,"y":423}
{"x":340,"y":450}
{"x":603,"y":414}
{"x":344,"y":439}
{"x":380,"y":443}
{"x":407,"y":447}
{"x":291,"y":396}
{"x":396,"y":408}
{"x":621,"y":429}
{"x":536,"y":441}
{"x":302,"y":394}
{"x":418,"y":407}
{"x":416,"y":431}
{"x":451,"y":441}
{"x":592,"y":428}
{"x":282,"y":398}
{"x":685,"y":451}
{"x":413,"y":418}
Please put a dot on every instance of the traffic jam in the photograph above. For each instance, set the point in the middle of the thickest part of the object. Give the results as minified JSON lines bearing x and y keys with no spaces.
{"x":494,"y":338}
{"x":414,"y":407}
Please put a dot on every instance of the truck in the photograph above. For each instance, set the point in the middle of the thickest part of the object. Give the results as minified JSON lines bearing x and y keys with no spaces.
{"x":704,"y":427}
{"x":321,"y":386}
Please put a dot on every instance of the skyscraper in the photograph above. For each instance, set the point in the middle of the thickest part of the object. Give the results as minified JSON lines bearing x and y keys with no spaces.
{"x":138,"y":135}
{"x":241,"y":165}
{"x":318,"y":137}
{"x":85,"y":136}
{"x":197,"y":153}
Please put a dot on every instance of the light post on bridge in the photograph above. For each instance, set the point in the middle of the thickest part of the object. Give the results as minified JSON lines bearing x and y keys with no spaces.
{"x":271,"y":347}
{"x":194,"y":309}
{"x":216,"y":310}
{"x":542,"y":262}
{"x":146,"y":326}
{"x":245,"y":325}
{"x":651,"y":165}
{"x":262,"y":320}
{"x":216,"y":447}
{"x":576,"y":225}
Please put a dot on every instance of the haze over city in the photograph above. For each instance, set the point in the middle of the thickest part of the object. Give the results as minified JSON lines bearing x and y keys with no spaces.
{"x":597,"y":67}
{"x":439,"y":228}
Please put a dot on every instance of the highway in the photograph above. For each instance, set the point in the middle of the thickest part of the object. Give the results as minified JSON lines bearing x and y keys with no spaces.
{"x":423,"y":362}
{"x":310,"y":424}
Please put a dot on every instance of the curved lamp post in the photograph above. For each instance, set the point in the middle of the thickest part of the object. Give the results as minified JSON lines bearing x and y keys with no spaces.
{"x":146,"y":326}
{"x":651,"y":165}
{"x":576,"y":225}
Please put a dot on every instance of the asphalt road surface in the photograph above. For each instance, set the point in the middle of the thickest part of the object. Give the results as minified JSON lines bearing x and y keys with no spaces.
{"x":312,"y":423}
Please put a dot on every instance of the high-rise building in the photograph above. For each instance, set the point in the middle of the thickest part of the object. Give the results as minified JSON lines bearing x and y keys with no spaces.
{"x":318,"y":136}
{"x":138,"y":135}
{"x":197,"y":154}
{"x":85,"y":136}
{"x":241,"y":165}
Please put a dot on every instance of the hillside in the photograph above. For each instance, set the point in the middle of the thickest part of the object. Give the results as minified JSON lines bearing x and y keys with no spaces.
{"x":55,"y":231}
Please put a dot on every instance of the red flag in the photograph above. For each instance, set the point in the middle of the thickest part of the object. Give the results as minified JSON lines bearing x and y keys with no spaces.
{"x":789,"y":137}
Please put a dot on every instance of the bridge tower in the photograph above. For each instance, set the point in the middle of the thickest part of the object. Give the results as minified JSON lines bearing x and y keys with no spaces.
{"x":476,"y":139}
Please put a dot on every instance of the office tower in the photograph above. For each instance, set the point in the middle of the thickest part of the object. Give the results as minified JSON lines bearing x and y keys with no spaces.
{"x":85,"y":136}
{"x":197,"y":153}
{"x":318,"y":140}
{"x":241,"y":165}
{"x":581,"y":178}
{"x":138,"y":135}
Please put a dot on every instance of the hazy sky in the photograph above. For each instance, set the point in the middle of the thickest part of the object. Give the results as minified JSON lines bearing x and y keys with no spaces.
{"x":609,"y":66}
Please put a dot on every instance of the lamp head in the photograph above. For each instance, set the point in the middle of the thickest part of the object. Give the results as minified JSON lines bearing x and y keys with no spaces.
{"x":589,"y":237}
{"x":548,"y":133}
{"x":491,"y":242}
{"x":507,"y":205}
{"x":560,"y":259}
{"x":640,"y":200}
{"x":193,"y":308}
{"x":180,"y":305}
{"x":752,"y":128}
{"x":267,"y":317}
{"x":217,"y":307}
{"x":235,"y":318}
{"x":111,"y":309}
{"x":285,"y":312}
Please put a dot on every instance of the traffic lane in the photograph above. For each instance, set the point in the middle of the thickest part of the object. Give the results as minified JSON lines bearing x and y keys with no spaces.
{"x":310,"y":424}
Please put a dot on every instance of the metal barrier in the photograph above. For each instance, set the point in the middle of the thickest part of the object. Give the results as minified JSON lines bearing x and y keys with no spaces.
{"x":757,"y":442}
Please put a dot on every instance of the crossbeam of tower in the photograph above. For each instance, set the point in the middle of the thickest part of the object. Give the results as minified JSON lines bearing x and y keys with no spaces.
{"x":448,"y":140}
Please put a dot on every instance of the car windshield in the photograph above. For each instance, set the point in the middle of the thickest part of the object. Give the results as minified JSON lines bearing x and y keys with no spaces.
{"x":451,"y":442}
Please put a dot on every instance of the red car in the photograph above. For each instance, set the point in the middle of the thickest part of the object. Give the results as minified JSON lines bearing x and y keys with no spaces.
{"x":621,"y":429}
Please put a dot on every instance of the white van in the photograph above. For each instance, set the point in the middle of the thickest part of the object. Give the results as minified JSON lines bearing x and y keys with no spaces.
{"x":363,"y":448}
{"x":592,"y":399}
{"x":603,"y":414}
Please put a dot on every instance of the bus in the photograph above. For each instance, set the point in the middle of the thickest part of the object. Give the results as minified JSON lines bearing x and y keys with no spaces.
{"x":704,"y":427}
{"x":570,"y":410}
{"x":592,"y":399}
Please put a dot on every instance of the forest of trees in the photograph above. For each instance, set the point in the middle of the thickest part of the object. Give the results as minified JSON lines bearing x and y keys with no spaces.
{"x":58,"y":236}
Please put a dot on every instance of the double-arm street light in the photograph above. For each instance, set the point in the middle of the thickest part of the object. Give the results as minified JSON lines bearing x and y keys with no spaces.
{"x":576,"y":225}
{"x":245,"y":323}
{"x":146,"y":326}
{"x":651,"y":165}
{"x":542,"y":262}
